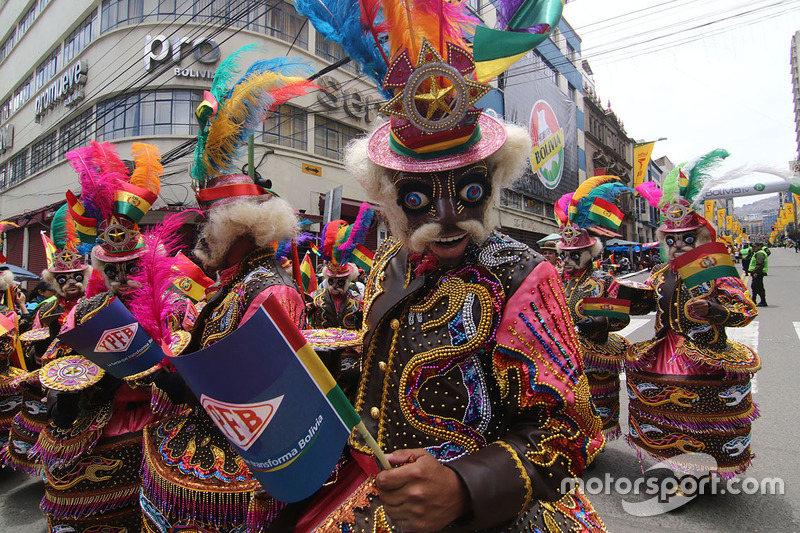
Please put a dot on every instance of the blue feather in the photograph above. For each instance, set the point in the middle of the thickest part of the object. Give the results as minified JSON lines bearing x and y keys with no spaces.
{"x":286,"y":66}
{"x":339,"y":21}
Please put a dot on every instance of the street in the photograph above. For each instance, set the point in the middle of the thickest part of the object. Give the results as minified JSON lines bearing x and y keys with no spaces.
{"x":775,"y":334}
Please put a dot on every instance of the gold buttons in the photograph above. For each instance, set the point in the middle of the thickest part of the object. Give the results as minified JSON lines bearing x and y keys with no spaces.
{"x":394,"y":324}
{"x":382,"y":366}
{"x":374,"y":413}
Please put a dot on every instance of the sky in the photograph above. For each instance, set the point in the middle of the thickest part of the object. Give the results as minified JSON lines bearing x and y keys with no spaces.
{"x":705,"y":74}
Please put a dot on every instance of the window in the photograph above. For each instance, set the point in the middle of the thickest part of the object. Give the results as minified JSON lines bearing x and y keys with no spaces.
{"x":80,"y":38}
{"x":287,"y":127}
{"x":26,"y":22}
{"x":330,"y":137}
{"x":572,"y":54}
{"x":5,"y":110}
{"x":22,"y":94}
{"x":474,"y":6}
{"x":43,"y":152}
{"x":333,"y":52}
{"x":76,"y":133}
{"x":286,"y":24}
{"x":148,"y":113}
{"x":18,"y":168}
{"x":3,"y":182}
{"x":509,"y":198}
{"x":8,"y":45}
{"x":117,"y":13}
{"x":46,"y":69}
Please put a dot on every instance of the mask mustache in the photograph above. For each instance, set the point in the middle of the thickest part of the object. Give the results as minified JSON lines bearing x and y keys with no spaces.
{"x":423,"y":236}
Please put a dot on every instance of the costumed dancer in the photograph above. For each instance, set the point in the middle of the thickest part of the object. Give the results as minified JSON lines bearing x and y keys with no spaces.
{"x":603,"y":352}
{"x":689,"y":387}
{"x":10,"y":353}
{"x":192,"y":477}
{"x":472,"y":375}
{"x":338,"y":304}
{"x":92,"y":450}
{"x":68,"y":273}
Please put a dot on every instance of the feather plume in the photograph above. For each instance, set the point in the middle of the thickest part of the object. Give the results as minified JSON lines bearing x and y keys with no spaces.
{"x":5,"y":225}
{"x":340,"y":21}
{"x":97,"y":194}
{"x":96,"y":284}
{"x":107,"y":159}
{"x":155,"y":301}
{"x":227,"y":71}
{"x":398,"y":19}
{"x":60,"y":227}
{"x":284,"y":249}
{"x":697,"y":170}
{"x":670,"y":187}
{"x":561,"y":209}
{"x":443,"y":22}
{"x":148,"y":170}
{"x":583,"y":189}
{"x":607,"y":191}
{"x":328,"y":239}
{"x":246,"y":108}
{"x":291,"y":67}
{"x":358,"y":232}
{"x":650,"y":191}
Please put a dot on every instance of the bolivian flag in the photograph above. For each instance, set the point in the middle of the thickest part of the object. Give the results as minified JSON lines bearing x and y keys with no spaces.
{"x":496,"y":50}
{"x":705,"y":263}
{"x":194,"y":282}
{"x":605,"y":213}
{"x":86,"y":227}
{"x":607,"y":307}
{"x":133,"y":201}
{"x":362,"y":257}
{"x":308,"y":275}
{"x":50,"y":250}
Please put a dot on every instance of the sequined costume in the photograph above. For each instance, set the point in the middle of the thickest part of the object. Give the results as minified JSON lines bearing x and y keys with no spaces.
{"x":603,"y":352}
{"x":328,"y":314}
{"x":192,"y":477}
{"x":10,"y":386}
{"x":689,"y":388}
{"x":464,"y":363}
{"x":91,"y":468}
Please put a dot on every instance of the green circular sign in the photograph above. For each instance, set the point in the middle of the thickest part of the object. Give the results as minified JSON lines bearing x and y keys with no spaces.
{"x":759,"y":187}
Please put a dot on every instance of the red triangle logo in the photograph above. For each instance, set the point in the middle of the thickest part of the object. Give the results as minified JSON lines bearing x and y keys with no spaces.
{"x":241,"y":423}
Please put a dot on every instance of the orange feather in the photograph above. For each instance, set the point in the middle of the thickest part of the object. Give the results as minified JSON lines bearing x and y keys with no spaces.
{"x":148,"y":170}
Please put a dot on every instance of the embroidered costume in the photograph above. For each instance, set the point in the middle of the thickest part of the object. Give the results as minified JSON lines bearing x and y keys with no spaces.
{"x":193,"y":478}
{"x":586,"y":289}
{"x":689,"y":387}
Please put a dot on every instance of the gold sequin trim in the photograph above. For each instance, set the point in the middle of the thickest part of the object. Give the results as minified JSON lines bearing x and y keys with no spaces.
{"x":523,"y":474}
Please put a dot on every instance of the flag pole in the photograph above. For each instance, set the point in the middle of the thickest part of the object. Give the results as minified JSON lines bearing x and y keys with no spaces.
{"x":374,"y":446}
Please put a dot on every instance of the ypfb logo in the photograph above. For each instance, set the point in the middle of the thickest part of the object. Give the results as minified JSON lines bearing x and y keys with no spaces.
{"x":547,"y":137}
{"x":241,"y":423}
{"x":117,"y":339}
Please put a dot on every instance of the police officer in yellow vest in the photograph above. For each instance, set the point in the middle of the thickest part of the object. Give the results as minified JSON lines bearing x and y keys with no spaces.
{"x":747,"y":254}
{"x":759,"y":264}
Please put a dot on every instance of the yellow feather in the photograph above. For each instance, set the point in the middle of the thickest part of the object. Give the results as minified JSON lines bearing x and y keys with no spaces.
{"x":584,"y":188}
{"x":148,"y":170}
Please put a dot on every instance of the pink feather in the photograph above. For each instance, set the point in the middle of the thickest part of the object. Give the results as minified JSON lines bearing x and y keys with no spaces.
{"x":562,"y":206}
{"x":156,"y":301}
{"x":107,"y":158}
{"x":650,"y":191}
{"x":97,"y":194}
{"x":96,"y":284}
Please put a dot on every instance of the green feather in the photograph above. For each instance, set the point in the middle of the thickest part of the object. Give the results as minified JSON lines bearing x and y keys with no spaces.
{"x":227,"y":72}
{"x":59,"y":230}
{"x":669,"y":187}
{"x":698,"y":172}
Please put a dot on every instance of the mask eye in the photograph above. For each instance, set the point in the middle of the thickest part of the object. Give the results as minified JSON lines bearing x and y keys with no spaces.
{"x":689,"y":239}
{"x":78,"y":277}
{"x":575,"y":256}
{"x":61,"y":280}
{"x":670,"y":240}
{"x":472,"y":192}
{"x":111,"y":272}
{"x":134,"y":269}
{"x":415,"y":200}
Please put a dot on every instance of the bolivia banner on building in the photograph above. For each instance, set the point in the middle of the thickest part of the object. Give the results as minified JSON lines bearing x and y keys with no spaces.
{"x":608,"y":307}
{"x":641,"y":160}
{"x":115,"y":341}
{"x":274,"y":400}
{"x":720,"y":219}
{"x":705,"y":263}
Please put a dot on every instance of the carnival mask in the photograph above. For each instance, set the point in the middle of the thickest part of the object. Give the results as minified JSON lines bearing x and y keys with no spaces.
{"x":445,"y":209}
{"x":576,"y":260}
{"x":117,"y":275}
{"x":338,"y":286}
{"x":680,"y":243}
{"x":70,"y":284}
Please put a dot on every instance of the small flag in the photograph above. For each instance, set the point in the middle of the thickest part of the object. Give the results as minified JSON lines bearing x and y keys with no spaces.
{"x":605,"y":213}
{"x":50,"y":250}
{"x":308,"y":275}
{"x":496,"y":50}
{"x":314,"y":248}
{"x":705,"y":263}
{"x":607,"y":307}
{"x":362,"y":257}
{"x":641,"y":160}
{"x":6,"y":324}
{"x":195,"y":282}
{"x":274,"y":401}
